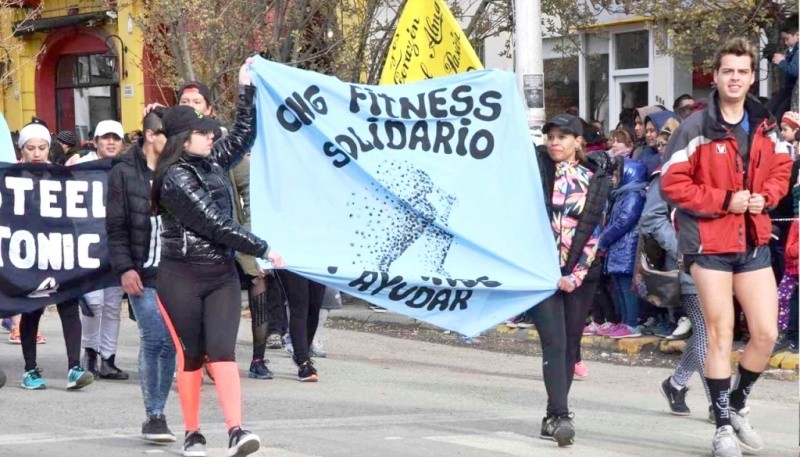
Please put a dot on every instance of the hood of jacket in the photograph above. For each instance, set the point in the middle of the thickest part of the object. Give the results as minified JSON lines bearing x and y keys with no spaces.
{"x":633,"y":171}
{"x":645,"y":111}
{"x":659,"y":118}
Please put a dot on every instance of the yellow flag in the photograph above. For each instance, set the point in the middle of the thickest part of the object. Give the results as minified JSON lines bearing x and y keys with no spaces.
{"x":428,"y":43}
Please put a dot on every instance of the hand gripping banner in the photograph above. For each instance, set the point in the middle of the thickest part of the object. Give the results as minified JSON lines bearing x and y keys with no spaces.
{"x":423,"y":198}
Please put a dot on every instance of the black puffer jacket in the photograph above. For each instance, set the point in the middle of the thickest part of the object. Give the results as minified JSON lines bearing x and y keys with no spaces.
{"x":597,"y":196}
{"x":196,"y":200}
{"x":133,"y":242}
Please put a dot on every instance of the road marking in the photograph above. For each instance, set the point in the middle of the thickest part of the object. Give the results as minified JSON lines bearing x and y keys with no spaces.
{"x":84,"y":434}
{"x":516,"y":445}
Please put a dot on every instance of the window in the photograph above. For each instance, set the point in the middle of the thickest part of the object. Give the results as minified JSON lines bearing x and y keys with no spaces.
{"x":87,"y":92}
{"x":560,"y":85}
{"x":633,"y":50}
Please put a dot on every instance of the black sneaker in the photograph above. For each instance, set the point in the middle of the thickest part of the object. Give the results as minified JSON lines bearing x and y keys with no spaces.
{"x":194,"y":444}
{"x":259,"y":369}
{"x":109,"y":370}
{"x":676,"y":399}
{"x":306,"y":372}
{"x":242,"y":442}
{"x":560,"y":429}
{"x":155,"y":429}
{"x":90,"y":358}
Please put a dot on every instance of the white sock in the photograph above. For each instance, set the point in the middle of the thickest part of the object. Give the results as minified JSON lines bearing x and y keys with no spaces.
{"x":674,"y":384}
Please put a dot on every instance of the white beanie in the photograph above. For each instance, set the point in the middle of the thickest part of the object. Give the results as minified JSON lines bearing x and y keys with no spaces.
{"x":32,"y":131}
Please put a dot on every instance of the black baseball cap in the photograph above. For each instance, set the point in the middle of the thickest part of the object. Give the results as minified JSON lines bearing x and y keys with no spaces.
{"x":179,"y":119}
{"x":566,"y":122}
{"x":199,"y":87}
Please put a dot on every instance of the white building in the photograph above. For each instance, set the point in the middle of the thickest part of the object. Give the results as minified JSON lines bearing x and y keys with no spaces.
{"x":620,"y":67}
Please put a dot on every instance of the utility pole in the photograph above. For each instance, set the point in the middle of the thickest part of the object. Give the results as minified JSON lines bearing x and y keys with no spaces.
{"x":528,"y":63}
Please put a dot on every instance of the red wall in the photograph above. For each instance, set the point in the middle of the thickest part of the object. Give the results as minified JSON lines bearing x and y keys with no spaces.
{"x":71,"y":40}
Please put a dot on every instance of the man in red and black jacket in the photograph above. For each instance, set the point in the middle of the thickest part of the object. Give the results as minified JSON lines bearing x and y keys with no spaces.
{"x":724,"y":169}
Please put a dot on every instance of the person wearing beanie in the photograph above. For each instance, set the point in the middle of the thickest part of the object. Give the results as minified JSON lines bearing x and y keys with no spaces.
{"x":69,"y":141}
{"x":197,"y":282}
{"x":790,"y":126}
{"x":34,"y":142}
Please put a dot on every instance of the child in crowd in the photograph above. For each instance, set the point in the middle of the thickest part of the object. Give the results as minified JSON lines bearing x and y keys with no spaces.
{"x":790,"y":124}
{"x":620,"y":238}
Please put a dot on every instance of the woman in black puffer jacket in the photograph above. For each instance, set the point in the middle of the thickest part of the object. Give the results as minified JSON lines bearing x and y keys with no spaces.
{"x":197,"y":279}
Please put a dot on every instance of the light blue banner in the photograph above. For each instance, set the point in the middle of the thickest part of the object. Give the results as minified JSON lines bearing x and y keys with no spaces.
{"x":422,"y":198}
{"x":7,"y":153}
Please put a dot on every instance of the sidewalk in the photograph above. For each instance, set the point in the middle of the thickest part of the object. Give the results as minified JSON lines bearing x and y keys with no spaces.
{"x":783,"y":365}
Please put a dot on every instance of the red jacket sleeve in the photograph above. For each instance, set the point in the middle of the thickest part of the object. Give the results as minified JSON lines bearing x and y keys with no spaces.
{"x":678,"y":185}
{"x":792,"y":242}
{"x":776,"y":185}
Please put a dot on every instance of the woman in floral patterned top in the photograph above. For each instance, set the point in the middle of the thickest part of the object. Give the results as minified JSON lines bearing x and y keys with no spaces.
{"x":575,"y":188}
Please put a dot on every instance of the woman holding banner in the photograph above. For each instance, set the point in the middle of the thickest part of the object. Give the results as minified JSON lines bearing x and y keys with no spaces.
{"x":197,"y":280}
{"x":34,"y":143}
{"x":575,"y":191}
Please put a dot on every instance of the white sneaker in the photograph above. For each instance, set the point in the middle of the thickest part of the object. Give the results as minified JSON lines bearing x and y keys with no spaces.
{"x":683,"y":331}
{"x":725,"y":443}
{"x":748,"y":438}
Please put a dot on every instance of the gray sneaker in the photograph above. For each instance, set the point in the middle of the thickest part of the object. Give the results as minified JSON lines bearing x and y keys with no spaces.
{"x":748,"y":437}
{"x":274,"y":341}
{"x":725,"y":443}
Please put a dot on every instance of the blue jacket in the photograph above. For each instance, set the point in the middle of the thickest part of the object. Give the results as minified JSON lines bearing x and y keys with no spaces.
{"x":620,"y":236}
{"x":790,"y":70}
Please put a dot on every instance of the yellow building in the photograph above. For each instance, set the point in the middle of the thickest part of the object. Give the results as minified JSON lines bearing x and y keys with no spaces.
{"x":75,"y":63}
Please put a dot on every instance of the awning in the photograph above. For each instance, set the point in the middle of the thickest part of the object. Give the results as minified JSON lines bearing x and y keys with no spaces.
{"x":30,"y":27}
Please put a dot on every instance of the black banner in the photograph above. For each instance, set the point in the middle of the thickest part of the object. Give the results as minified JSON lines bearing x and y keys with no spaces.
{"x":53,"y":243}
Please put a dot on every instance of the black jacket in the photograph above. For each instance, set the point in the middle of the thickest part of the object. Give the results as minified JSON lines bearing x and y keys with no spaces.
{"x":133,"y":241}
{"x":597,"y":195}
{"x":196,"y":200}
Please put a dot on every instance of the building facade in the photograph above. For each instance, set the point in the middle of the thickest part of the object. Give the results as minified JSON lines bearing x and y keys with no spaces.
{"x":619,"y":67}
{"x":76,"y":63}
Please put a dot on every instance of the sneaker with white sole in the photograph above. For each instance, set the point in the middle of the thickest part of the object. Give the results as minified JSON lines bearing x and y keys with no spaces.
{"x":242,"y":442}
{"x":725,"y":443}
{"x":748,"y":438}
{"x":155,"y":430}
{"x":194,"y":444}
{"x":78,"y":378}
{"x":683,"y":330}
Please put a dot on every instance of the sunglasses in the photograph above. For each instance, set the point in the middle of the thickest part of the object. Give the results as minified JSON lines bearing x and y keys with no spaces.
{"x":661,"y":145}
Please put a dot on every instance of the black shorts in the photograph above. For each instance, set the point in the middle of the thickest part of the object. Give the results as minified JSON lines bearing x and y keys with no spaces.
{"x":754,"y":258}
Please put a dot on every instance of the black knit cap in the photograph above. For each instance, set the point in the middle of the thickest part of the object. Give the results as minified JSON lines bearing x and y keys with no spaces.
{"x":179,"y":119}
{"x":202,"y":88}
{"x":67,"y":137}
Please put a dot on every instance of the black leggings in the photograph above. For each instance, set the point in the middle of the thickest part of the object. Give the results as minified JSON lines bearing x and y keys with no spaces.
{"x":70,"y":325}
{"x":203,"y":306}
{"x":559,"y":321}
{"x":305,"y":300}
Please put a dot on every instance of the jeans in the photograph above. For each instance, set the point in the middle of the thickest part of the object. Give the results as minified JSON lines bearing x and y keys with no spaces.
{"x":156,"y":352}
{"x":627,"y":301}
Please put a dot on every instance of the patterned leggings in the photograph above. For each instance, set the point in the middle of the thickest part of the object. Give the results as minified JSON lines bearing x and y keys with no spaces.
{"x":785,"y":290}
{"x":694,"y":356}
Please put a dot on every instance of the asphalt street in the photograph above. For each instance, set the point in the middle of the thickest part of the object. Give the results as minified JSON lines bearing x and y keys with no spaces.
{"x":380,"y":396}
